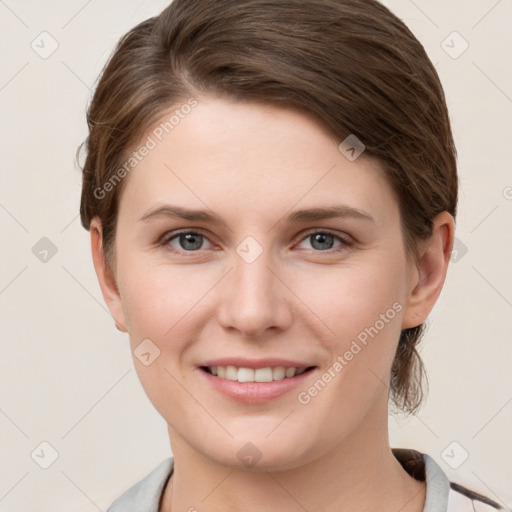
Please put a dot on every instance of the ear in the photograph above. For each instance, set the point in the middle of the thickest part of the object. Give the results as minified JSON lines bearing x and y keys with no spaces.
{"x":105,"y":274}
{"x":430,"y":271}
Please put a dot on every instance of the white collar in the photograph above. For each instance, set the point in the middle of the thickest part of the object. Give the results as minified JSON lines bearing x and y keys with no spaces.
{"x":145,"y":495}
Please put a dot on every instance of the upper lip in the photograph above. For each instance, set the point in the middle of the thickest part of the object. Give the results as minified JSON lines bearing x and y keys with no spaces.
{"x":241,"y":362}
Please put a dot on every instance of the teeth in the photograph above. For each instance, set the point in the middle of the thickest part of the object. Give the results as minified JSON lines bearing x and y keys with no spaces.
{"x":244,"y":374}
{"x":231,"y":373}
{"x":267,"y":374}
{"x":263,"y":375}
{"x":278,"y":373}
{"x":290,"y":372}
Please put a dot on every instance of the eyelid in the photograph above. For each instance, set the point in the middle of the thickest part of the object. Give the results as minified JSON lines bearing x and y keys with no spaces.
{"x":170,"y":235}
{"x":346,"y":241}
{"x":345,"y":238}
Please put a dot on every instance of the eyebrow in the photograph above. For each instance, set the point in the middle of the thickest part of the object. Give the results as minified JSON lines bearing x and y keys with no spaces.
{"x":329,"y":212}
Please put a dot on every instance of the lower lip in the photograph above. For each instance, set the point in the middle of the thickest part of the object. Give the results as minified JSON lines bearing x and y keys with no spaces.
{"x":255,"y":392}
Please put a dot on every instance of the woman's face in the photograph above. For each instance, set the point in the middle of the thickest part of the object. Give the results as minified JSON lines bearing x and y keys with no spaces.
{"x":264,"y":279}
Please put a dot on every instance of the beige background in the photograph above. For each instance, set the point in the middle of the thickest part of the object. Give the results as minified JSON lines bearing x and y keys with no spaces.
{"x":66,"y":375}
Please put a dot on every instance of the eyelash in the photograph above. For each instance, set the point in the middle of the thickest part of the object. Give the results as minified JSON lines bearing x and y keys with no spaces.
{"x":171,"y":235}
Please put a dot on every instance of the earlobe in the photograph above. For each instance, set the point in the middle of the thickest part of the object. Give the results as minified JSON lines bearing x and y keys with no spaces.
{"x":105,"y":275}
{"x":120,"y":327}
{"x":430,"y":271}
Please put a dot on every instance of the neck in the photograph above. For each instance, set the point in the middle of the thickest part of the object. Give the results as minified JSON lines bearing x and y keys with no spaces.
{"x":359,"y":474}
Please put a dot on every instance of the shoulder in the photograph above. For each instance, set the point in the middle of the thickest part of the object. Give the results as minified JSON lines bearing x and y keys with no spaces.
{"x":462,"y":499}
{"x":441,"y":493}
{"x":145,"y":494}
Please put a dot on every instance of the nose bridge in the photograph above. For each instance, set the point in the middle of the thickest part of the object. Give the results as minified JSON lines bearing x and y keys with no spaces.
{"x":252,"y":272}
{"x":254,"y":298}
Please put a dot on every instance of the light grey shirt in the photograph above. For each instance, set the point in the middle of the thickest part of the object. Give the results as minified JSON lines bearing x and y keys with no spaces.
{"x":441,"y":494}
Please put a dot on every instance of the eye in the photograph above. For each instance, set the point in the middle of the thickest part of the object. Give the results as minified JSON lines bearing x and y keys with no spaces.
{"x":187,"y":241}
{"x":192,"y":241}
{"x":322,"y":240}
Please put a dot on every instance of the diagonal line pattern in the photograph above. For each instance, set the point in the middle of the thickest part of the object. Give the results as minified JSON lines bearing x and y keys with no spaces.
{"x":491,"y":285}
{"x":492,"y":81}
{"x":76,"y":75}
{"x":424,"y":13}
{"x":217,"y":486}
{"x":286,"y":491}
{"x":305,"y":194}
{"x":88,"y":497}
{"x":280,"y":423}
{"x":165,"y":165}
{"x":69,"y":223}
{"x":13,"y":279}
{"x":14,"y":423}
{"x":187,"y":312}
{"x":486,"y":14}
{"x":13,"y":77}
{"x":300,"y":299}
{"x":485,"y":218}
{"x":198,"y":402}
{"x":427,"y":482}
{"x":13,"y":217}
{"x":491,"y":490}
{"x":416,"y":416}
{"x":87,"y":291}
{"x":503,"y":407}
{"x":10,"y":9}
{"x":14,"y":486}
{"x":118,"y":381}
{"x":76,"y":14}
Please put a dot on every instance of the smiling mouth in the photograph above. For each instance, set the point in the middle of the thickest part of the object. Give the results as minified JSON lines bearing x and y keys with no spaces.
{"x":267,"y":374}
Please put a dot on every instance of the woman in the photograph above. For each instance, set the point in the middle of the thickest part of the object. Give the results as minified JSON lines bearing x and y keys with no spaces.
{"x":271,"y":189}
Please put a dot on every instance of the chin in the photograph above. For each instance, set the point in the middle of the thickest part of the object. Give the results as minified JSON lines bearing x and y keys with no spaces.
{"x":259,"y":454}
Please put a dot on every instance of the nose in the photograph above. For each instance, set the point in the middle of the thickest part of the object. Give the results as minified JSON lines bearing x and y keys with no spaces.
{"x":254,"y":298}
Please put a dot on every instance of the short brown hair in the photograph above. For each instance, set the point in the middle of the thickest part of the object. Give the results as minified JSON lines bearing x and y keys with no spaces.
{"x":352,"y":64}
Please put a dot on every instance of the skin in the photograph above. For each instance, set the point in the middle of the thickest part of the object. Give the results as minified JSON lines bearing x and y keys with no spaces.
{"x":253,"y":165}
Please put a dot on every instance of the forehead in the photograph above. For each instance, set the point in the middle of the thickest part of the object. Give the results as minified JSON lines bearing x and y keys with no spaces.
{"x":236,"y":155}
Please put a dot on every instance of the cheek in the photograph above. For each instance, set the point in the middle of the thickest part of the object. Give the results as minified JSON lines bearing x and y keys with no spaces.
{"x":155,"y":297}
{"x":342,"y":301}
{"x":347,"y":300}
{"x":363,"y":306}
